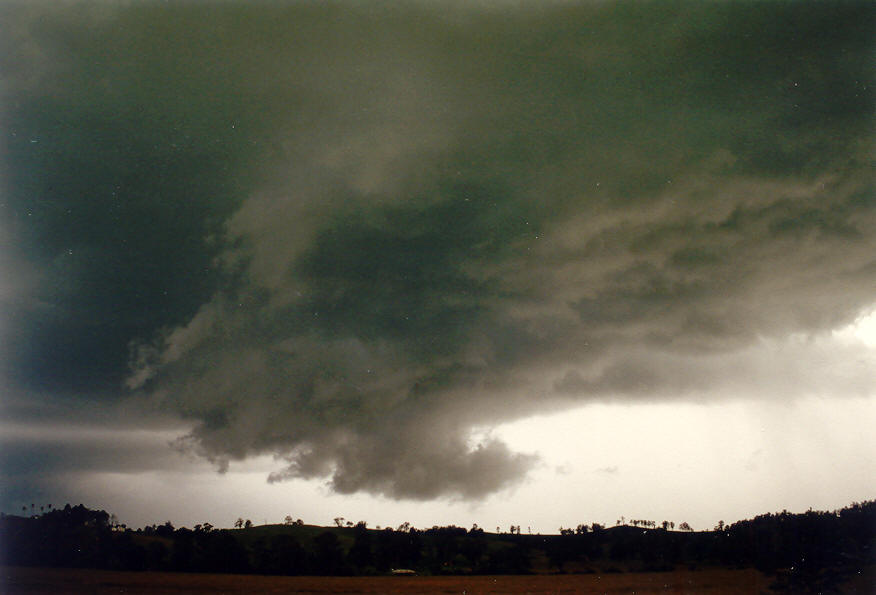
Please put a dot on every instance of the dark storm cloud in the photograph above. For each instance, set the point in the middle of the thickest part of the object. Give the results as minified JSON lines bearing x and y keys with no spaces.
{"x":122,"y":153}
{"x":47,"y":443}
{"x":62,"y":450}
{"x":38,"y":461}
{"x":348,"y":236}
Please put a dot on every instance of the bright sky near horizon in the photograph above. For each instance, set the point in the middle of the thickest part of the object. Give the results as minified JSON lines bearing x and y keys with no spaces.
{"x":761,"y":457}
{"x":442,"y":263}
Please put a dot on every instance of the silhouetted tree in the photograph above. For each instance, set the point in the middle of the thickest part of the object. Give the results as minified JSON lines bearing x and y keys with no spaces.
{"x":328,"y":558}
{"x":182,"y":556}
{"x":815,"y":549}
{"x":474,"y":547}
{"x":165,"y":530}
{"x":360,"y":556}
{"x":510,"y":559}
{"x":281,"y":554}
{"x":561,"y":550}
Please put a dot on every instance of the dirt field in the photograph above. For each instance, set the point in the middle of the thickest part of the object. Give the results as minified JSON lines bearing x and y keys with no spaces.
{"x":42,"y":580}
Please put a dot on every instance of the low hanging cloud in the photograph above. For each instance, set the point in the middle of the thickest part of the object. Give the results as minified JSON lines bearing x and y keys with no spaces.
{"x":348,"y":238}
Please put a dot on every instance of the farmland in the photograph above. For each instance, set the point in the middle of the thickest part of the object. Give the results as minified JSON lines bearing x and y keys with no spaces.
{"x":53,"y":580}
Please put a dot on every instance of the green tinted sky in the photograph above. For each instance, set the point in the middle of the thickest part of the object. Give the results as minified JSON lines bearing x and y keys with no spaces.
{"x":352,"y":234}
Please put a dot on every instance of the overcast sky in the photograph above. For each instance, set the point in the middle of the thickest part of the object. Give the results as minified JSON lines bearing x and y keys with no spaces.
{"x":438,"y":262}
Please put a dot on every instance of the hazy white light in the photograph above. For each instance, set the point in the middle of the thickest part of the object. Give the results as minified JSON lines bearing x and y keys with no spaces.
{"x":862,"y":330}
{"x":865,"y":328}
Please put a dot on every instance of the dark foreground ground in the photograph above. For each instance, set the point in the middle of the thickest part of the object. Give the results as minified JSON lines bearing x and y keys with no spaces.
{"x":710,"y":581}
{"x":50,"y":580}
{"x":45,"y":580}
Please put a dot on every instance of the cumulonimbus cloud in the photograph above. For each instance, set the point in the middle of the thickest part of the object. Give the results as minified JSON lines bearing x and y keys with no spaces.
{"x":436,"y":222}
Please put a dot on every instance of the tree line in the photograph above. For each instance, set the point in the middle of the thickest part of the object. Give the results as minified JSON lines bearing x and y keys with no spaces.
{"x":812,"y":546}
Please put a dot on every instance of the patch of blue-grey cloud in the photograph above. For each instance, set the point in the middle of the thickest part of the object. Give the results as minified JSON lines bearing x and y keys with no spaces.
{"x":348,"y":235}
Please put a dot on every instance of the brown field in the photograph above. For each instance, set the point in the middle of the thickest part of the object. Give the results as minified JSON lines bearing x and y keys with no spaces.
{"x":51,"y":580}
